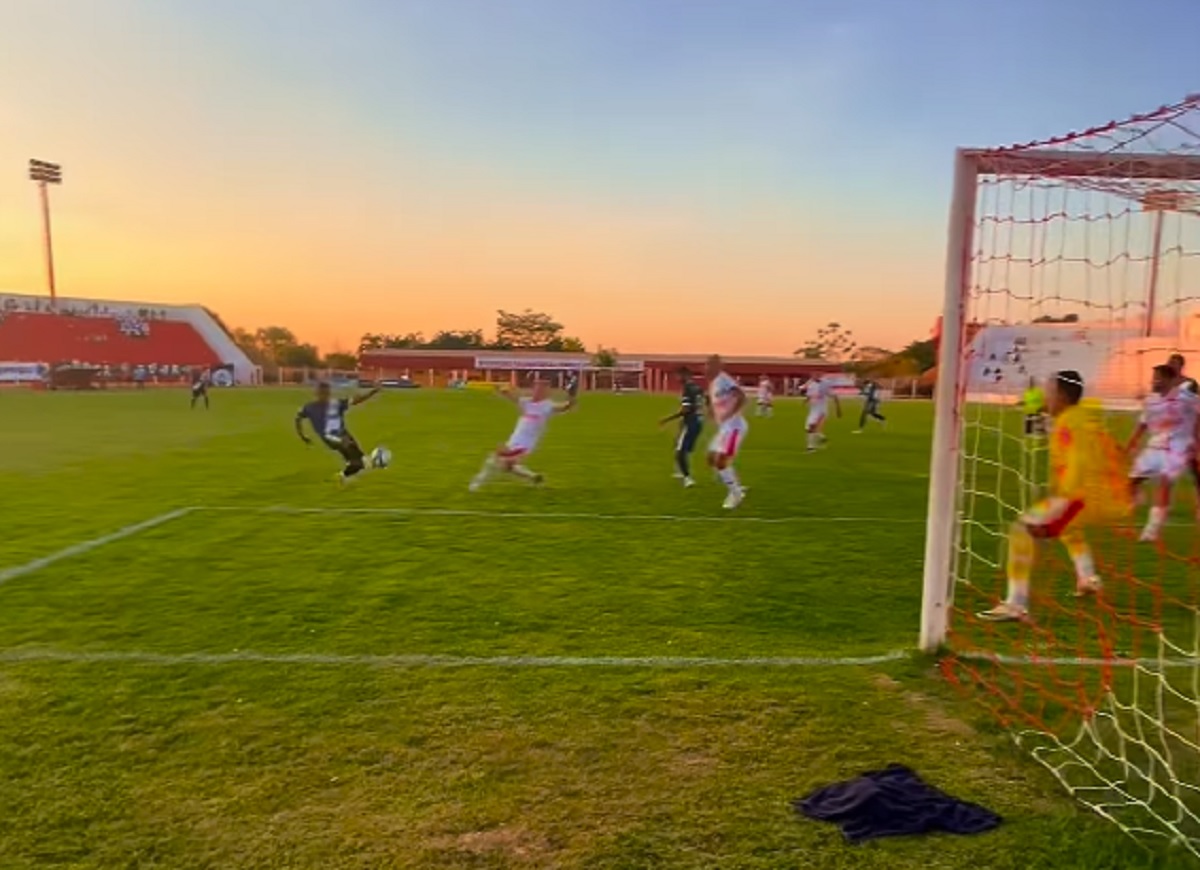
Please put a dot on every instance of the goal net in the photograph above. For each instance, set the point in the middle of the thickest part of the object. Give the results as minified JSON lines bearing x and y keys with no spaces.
{"x":1080,"y":253}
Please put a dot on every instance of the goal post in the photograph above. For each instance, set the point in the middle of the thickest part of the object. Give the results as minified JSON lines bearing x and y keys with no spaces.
{"x":1077,"y":253}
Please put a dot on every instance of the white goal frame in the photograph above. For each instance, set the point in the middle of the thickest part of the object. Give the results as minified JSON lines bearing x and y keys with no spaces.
{"x":944,"y":523}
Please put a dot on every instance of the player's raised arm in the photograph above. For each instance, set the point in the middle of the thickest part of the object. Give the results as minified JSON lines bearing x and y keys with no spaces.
{"x":362,"y":397}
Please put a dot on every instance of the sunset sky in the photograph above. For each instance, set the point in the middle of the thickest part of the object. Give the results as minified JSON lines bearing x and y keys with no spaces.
{"x":661,"y":175}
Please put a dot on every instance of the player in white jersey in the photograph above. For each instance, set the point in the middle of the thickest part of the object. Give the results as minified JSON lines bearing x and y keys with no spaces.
{"x":1187,"y":384}
{"x":726,"y":401}
{"x":1169,"y":416}
{"x":766,"y":398}
{"x":818,"y":392}
{"x":536,"y":411}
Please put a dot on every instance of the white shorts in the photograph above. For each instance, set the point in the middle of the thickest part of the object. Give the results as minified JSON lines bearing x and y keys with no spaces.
{"x":816,"y":418}
{"x":1160,"y":462}
{"x":515,"y":450}
{"x":729,"y":437}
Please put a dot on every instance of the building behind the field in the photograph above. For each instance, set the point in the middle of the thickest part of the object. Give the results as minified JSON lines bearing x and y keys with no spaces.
{"x":653,"y":372}
{"x":132,"y":340}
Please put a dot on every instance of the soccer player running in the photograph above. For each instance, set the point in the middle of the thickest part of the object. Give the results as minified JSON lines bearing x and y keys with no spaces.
{"x":327,"y":416}
{"x":870,"y":392}
{"x":536,"y":411}
{"x":1169,"y":415}
{"x":200,"y":389}
{"x":691,"y":420}
{"x":1189,"y":385}
{"x":727,"y":402}
{"x":766,"y":398}
{"x":817,"y":393}
{"x":1086,"y":489}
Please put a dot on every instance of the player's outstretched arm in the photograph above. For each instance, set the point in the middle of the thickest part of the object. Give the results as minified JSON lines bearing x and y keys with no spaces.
{"x":563,"y":407}
{"x":362,"y":397}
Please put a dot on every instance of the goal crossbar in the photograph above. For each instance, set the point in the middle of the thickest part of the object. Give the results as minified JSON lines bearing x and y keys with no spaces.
{"x":1051,"y":163}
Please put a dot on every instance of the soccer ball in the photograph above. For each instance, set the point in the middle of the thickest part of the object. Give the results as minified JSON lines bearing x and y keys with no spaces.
{"x":381,"y":457}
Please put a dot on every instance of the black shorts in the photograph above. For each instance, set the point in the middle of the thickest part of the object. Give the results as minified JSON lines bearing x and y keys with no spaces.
{"x":689,"y":434}
{"x":345,"y":445}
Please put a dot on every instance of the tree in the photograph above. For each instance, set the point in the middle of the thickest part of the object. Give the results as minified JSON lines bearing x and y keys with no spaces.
{"x":246,"y":340}
{"x":297,"y":356}
{"x":339,"y":360}
{"x":272,"y":341}
{"x":448,"y":339}
{"x":832,"y":342}
{"x":372,"y":341}
{"x":570,"y":344}
{"x":605,"y":358}
{"x":404,"y":342}
{"x":1066,"y":318}
{"x":923,"y":353}
{"x":527,"y":330}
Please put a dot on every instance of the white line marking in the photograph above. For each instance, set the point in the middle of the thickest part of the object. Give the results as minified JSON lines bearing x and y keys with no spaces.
{"x":84,"y":546}
{"x":439,"y":661}
{"x":535,"y":515}
{"x":1068,"y":661}
{"x":17,"y":656}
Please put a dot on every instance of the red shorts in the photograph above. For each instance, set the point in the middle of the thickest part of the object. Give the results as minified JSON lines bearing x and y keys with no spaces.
{"x":1050,"y":517}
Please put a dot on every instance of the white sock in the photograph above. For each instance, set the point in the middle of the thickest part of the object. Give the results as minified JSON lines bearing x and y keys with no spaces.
{"x":1158,"y":517}
{"x":522,"y":471}
{"x":812,"y":441}
{"x":1085,"y":567}
{"x":489,"y":467}
{"x":729,"y":478}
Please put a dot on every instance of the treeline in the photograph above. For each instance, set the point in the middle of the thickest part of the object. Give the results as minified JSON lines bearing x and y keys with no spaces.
{"x":521,"y":330}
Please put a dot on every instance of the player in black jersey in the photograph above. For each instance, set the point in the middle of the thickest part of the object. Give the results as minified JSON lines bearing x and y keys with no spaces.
{"x":200,"y":389}
{"x":327,"y":416}
{"x":691,"y":420}
{"x":870,"y":392}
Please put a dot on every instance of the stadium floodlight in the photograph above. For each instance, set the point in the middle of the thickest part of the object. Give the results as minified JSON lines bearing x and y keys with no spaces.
{"x":1079,"y":253}
{"x":45,"y":174}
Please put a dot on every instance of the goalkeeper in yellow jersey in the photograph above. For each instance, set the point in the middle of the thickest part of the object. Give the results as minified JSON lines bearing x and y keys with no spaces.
{"x":1087,"y":488}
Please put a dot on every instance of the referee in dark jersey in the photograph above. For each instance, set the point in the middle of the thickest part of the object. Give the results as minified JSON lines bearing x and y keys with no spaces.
{"x":691,"y":420}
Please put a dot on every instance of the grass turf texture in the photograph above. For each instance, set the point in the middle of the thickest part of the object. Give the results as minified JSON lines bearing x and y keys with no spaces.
{"x":183,"y":764}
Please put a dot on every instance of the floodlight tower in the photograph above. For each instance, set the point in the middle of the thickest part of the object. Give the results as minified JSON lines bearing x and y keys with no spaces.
{"x":45,"y":174}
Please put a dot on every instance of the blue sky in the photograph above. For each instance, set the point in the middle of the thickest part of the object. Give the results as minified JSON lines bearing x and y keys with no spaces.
{"x":575,"y":152}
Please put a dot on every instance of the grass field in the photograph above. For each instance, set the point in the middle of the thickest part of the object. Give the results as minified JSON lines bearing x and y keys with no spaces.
{"x":275,"y":672}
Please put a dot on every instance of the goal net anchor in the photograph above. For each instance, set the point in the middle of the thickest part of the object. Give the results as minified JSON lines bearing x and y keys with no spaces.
{"x":1080,"y":253}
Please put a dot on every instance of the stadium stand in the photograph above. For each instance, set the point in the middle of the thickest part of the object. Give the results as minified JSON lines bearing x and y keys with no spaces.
{"x":101,"y":341}
{"x":101,"y":333}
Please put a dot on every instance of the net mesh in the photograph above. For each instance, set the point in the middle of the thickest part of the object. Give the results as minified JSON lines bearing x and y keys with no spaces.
{"x":1085,"y":255}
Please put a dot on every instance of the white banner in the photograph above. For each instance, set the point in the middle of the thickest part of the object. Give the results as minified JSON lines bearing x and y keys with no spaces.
{"x":15,"y":372}
{"x":547,"y":363}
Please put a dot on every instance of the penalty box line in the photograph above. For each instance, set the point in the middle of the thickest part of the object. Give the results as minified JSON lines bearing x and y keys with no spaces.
{"x":82,"y":547}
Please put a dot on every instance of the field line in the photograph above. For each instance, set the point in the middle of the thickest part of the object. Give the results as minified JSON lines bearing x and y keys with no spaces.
{"x":1146,"y":663}
{"x":440,"y":661}
{"x":85,"y":546}
{"x":554,"y":515}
